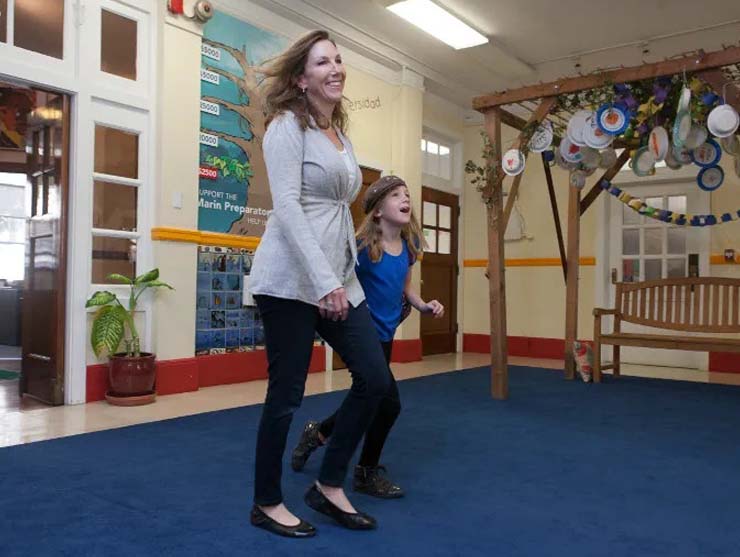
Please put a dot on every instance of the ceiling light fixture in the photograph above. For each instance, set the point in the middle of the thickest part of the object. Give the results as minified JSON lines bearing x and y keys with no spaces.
{"x":438,"y":22}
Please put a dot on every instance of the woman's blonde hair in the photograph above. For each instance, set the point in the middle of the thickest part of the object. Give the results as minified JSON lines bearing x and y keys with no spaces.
{"x":281,"y":86}
{"x":370,"y":235}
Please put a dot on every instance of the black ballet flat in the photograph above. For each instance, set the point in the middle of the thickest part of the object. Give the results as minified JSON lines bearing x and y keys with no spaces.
{"x":353,"y":521}
{"x":259,"y":519}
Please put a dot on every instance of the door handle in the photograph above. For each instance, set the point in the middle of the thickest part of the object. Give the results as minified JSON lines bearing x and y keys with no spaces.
{"x":38,"y":357}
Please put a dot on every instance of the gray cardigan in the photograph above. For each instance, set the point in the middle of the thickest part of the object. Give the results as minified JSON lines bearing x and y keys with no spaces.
{"x":308,"y":248}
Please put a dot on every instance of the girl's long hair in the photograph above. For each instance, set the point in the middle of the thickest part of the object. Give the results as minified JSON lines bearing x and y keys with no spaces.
{"x":370,"y":235}
{"x":281,"y":92}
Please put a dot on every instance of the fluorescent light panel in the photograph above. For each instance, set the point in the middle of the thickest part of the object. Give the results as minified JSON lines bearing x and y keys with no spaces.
{"x":439,"y":23}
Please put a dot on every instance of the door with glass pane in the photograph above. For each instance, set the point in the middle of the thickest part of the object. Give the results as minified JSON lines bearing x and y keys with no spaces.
{"x":43,"y":303}
{"x":643,"y":248}
{"x":439,"y":269}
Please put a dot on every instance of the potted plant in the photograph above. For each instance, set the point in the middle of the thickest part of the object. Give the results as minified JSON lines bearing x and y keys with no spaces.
{"x":132,"y":373}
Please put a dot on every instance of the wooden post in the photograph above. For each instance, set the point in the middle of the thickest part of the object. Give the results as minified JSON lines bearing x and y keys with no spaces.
{"x":555,"y":216}
{"x":496,"y":270}
{"x":571,"y":280}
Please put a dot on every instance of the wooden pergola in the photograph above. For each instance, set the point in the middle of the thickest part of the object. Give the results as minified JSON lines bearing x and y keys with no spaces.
{"x":539,"y":102}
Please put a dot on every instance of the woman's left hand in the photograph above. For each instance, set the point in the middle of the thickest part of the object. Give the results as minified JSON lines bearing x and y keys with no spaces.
{"x":435,"y":308}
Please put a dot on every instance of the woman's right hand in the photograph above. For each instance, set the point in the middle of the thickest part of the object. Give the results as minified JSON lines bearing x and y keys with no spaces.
{"x":334,"y":305}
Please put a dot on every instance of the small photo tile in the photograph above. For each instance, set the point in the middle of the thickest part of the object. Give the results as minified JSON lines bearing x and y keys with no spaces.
{"x":232,"y":319}
{"x":232,"y":338}
{"x":233,"y":263}
{"x":218,"y":320}
{"x":205,"y":261}
{"x":233,"y":282}
{"x":203,"y":340}
{"x":233,"y":300}
{"x":218,"y":281}
{"x":246,"y":337}
{"x":204,"y":301}
{"x":204,"y":281}
{"x":203,"y":319}
{"x":219,"y":263}
{"x":219,"y":339}
{"x":217,"y":300}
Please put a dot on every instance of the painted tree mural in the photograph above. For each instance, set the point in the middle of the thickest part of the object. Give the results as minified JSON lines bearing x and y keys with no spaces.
{"x":251,"y":120}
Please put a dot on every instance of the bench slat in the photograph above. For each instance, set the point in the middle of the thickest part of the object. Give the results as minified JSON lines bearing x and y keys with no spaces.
{"x":726,"y":304}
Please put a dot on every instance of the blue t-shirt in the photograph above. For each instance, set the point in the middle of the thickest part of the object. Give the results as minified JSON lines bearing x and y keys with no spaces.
{"x":383,"y":283}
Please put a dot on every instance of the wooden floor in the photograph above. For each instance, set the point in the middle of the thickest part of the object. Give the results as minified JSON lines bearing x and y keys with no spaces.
{"x":25,"y":420}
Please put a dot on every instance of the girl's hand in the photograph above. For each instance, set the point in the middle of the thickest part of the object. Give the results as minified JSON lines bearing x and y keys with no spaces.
{"x":334,"y":305}
{"x":435,"y":308}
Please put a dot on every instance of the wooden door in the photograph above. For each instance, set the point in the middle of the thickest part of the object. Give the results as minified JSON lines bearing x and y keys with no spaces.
{"x":369,"y":175}
{"x":439,"y":269}
{"x":43,"y":304}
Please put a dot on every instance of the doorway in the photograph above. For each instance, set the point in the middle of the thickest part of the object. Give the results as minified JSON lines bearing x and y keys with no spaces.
{"x":641,"y":248}
{"x":34,"y":154}
{"x":439,"y":269}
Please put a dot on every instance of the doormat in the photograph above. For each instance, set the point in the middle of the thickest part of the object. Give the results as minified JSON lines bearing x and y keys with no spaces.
{"x":5,"y":374}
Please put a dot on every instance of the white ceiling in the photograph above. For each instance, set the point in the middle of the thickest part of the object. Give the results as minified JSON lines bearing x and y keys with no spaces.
{"x":530,"y":40}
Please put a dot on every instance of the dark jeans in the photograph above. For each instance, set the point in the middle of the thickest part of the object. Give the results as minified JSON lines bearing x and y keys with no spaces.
{"x":290,"y":327}
{"x":377,"y":433}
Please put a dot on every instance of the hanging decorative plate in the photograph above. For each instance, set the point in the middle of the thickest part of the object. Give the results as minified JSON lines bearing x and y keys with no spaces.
{"x":576,"y":127}
{"x":731,"y":145}
{"x":643,"y":162}
{"x":707,"y":154}
{"x":586,"y":170}
{"x":658,"y":142}
{"x":569,"y":151}
{"x":723,"y":121}
{"x":612,"y":119}
{"x":541,"y":138}
{"x":670,"y":160}
{"x":562,"y":163}
{"x":682,"y":155}
{"x":684,"y":101}
{"x":591,"y":157}
{"x":513,"y":162}
{"x":697,"y":135}
{"x":608,"y":158}
{"x":681,"y":128}
{"x":594,"y":136}
{"x":710,"y":178}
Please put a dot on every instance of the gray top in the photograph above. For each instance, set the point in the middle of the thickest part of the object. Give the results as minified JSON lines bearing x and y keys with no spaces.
{"x":308,"y":248}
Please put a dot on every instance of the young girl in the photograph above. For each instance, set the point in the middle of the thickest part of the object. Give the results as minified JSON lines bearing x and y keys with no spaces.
{"x":389,"y":241}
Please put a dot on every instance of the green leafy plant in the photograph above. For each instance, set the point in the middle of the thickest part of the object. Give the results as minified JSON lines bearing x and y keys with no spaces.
{"x":112,"y":317}
{"x":229,"y":166}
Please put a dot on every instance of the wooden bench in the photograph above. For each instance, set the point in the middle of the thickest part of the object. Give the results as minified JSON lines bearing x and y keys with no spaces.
{"x":696,"y":305}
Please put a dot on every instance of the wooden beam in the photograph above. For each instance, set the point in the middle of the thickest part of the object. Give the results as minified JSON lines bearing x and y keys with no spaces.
{"x":544,"y":108}
{"x":571,"y":279}
{"x":717,"y":81}
{"x":693,"y":63}
{"x":555,"y":216}
{"x":608,"y":175}
{"x":512,"y":120}
{"x":496,"y":270}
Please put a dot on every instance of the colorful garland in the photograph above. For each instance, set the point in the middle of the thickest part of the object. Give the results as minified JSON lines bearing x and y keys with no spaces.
{"x":679,"y":219}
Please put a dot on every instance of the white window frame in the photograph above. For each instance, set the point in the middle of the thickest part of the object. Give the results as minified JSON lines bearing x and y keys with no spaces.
{"x":110,"y":86}
{"x":40,"y":69}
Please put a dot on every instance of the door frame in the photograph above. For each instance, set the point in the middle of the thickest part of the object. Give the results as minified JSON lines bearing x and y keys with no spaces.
{"x":683,"y":179}
{"x":455,"y":248}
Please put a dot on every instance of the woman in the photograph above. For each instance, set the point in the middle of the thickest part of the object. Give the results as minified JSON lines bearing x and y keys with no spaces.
{"x":303,"y":280}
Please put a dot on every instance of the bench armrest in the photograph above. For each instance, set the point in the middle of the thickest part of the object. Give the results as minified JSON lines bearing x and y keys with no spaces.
{"x":598,"y":312}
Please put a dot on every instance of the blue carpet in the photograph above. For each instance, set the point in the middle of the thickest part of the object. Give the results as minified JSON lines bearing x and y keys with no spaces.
{"x":633,"y":467}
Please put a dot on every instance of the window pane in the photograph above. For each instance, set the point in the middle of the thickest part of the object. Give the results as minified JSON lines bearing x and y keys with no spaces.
{"x":430,"y":236}
{"x":653,"y":269}
{"x":39,"y":26}
{"x":118,"y":45}
{"x":629,"y":216}
{"x":112,"y":255}
{"x":444,"y":242}
{"x":3,"y":21}
{"x":114,"y":206}
{"x":430,"y":214}
{"x":677,"y":203}
{"x":656,"y":202}
{"x":12,"y":230}
{"x":444,"y":167}
{"x":445,"y":212}
{"x":432,"y":147}
{"x":654,"y":241}
{"x":12,"y":201}
{"x":423,"y":145}
{"x":630,"y":270}
{"x":631,"y":242}
{"x":444,"y":150}
{"x":676,"y":268}
{"x":12,"y":261}
{"x":116,"y":152}
{"x":676,"y":240}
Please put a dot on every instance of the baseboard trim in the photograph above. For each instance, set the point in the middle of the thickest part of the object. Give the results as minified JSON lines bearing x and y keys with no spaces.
{"x":190,"y":374}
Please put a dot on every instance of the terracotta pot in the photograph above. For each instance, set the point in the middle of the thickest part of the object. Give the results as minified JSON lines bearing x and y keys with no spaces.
{"x":131,"y":376}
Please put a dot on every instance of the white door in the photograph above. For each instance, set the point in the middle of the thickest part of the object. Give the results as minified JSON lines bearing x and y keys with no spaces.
{"x":642,"y":248}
